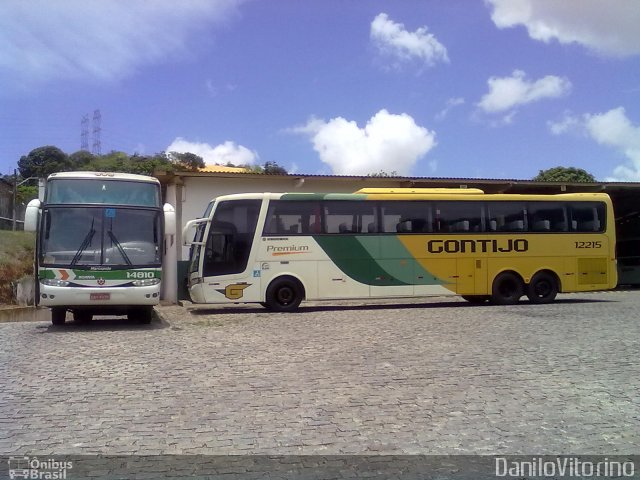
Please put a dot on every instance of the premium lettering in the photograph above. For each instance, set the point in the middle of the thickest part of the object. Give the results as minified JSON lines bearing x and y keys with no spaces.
{"x":288,"y":249}
{"x":478,"y":246}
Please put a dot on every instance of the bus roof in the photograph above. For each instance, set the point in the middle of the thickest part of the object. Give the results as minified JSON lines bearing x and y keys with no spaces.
{"x":414,"y":191}
{"x":102,"y":176}
{"x":417,"y":194}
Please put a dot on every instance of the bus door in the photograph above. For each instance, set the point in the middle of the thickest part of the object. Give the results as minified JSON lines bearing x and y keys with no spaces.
{"x":227,"y":250}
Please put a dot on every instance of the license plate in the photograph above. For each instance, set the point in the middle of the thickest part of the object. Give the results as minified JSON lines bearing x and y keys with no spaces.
{"x":99,"y":296}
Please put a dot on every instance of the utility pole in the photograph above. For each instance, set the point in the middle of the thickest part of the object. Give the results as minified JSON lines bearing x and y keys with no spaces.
{"x":14,"y":220}
{"x":15,"y":199}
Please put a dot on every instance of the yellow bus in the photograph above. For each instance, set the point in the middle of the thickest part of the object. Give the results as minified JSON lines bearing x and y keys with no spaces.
{"x":278,"y":249}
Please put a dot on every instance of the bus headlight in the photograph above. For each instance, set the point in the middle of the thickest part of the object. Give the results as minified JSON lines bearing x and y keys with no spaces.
{"x":147,"y":282}
{"x":52,"y":282}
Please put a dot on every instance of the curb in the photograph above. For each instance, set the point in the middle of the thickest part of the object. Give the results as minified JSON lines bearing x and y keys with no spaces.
{"x":24,"y":314}
{"x":160,"y":316}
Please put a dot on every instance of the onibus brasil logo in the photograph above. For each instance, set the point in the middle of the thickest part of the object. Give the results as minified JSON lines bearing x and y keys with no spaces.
{"x":35,"y":468}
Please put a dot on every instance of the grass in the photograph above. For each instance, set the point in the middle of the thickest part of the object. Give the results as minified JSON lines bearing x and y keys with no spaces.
{"x":16,"y":260}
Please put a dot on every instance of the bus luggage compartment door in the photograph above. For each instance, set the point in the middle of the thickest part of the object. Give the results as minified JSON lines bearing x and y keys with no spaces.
{"x":471,"y":276}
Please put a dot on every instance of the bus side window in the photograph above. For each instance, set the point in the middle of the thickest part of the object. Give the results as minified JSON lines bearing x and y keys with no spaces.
{"x":345,"y":217}
{"x":548,"y":216}
{"x":406,"y":217}
{"x":587,"y":216}
{"x":459,"y":217}
{"x":292,"y":218}
{"x":506,"y":216}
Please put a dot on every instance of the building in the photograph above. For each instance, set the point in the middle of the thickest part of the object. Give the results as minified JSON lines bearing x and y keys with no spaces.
{"x":190,"y":192}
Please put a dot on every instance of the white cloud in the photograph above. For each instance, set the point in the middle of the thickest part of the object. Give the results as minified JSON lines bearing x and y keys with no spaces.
{"x":610,"y":28}
{"x":214,"y":90}
{"x":567,"y":124}
{"x":218,"y":155}
{"x":393,"y":40}
{"x":507,"y":93}
{"x":106,"y":40}
{"x":450,"y":105}
{"x":614,"y":129}
{"x":611,"y":129}
{"x":388,"y":142}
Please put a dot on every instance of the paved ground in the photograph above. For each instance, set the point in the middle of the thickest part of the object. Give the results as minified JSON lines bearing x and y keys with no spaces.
{"x":440,"y":377}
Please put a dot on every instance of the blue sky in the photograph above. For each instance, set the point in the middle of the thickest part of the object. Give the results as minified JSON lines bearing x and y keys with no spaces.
{"x":487,"y":89}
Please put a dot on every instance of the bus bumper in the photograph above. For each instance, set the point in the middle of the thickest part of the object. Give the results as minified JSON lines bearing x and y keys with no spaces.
{"x":196,"y":293}
{"x":51,"y":296}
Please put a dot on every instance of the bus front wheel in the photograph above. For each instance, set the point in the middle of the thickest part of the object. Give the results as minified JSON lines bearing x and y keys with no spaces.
{"x":284,"y":295}
{"x":58,"y":315}
{"x":542,"y":288}
{"x":507,"y":289}
{"x":142,"y":315}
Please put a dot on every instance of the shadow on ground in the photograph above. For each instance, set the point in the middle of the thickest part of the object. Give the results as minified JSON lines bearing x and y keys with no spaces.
{"x":227,"y":310}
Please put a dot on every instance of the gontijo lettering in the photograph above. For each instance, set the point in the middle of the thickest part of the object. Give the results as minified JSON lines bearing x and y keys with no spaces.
{"x":472,"y":246}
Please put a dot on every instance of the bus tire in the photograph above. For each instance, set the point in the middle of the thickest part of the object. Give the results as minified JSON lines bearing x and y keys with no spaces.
{"x":58,"y":315}
{"x":141,"y":315}
{"x":542,"y":288}
{"x":507,"y":289}
{"x":284,"y":295}
{"x":81,"y":316}
{"x":475,"y":298}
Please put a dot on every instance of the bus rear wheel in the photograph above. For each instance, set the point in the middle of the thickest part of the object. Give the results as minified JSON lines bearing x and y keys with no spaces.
{"x":58,"y":315}
{"x":507,"y":289}
{"x":476,"y":298}
{"x":284,"y":295}
{"x":542,"y":288}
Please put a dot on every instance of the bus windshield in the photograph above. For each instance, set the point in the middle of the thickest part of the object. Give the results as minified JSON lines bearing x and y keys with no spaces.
{"x":116,"y":192}
{"x":118,"y":237}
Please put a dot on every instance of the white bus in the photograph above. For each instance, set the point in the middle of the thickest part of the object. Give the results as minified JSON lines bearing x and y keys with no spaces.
{"x":278,"y":249}
{"x":99,"y":244}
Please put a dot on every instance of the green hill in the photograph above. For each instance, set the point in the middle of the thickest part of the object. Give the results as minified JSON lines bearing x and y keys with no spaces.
{"x":16,"y":260}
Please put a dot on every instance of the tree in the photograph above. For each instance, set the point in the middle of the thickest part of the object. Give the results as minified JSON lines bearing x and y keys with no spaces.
{"x":25,"y":193}
{"x":81,"y":159}
{"x":187,"y":161}
{"x":42,"y":161}
{"x":382,"y":173}
{"x":564,"y":174}
{"x":273,"y":168}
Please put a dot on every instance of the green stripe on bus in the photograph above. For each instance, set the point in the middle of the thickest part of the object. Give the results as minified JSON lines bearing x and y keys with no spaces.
{"x":352,"y":258}
{"x":393,"y":257}
{"x":78,"y":274}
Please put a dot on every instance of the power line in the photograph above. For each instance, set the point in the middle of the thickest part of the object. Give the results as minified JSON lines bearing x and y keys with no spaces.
{"x":97,"y":120}
{"x":84,"y":133}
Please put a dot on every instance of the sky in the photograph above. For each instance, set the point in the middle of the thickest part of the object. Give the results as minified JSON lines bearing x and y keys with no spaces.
{"x":425,"y":88}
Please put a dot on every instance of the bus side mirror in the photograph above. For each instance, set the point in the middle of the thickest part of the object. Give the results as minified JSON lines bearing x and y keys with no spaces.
{"x":187,"y":227}
{"x":169,"y":219}
{"x":31,"y":216}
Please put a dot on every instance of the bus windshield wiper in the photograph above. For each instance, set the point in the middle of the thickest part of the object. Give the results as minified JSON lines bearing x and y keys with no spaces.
{"x":119,"y":247}
{"x":85,"y":243}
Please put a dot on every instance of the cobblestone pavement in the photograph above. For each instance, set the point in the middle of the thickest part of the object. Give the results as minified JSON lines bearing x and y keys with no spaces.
{"x":440,"y":377}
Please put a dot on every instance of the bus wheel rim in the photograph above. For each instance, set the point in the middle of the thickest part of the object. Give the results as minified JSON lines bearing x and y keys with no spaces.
{"x":285,"y":295}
